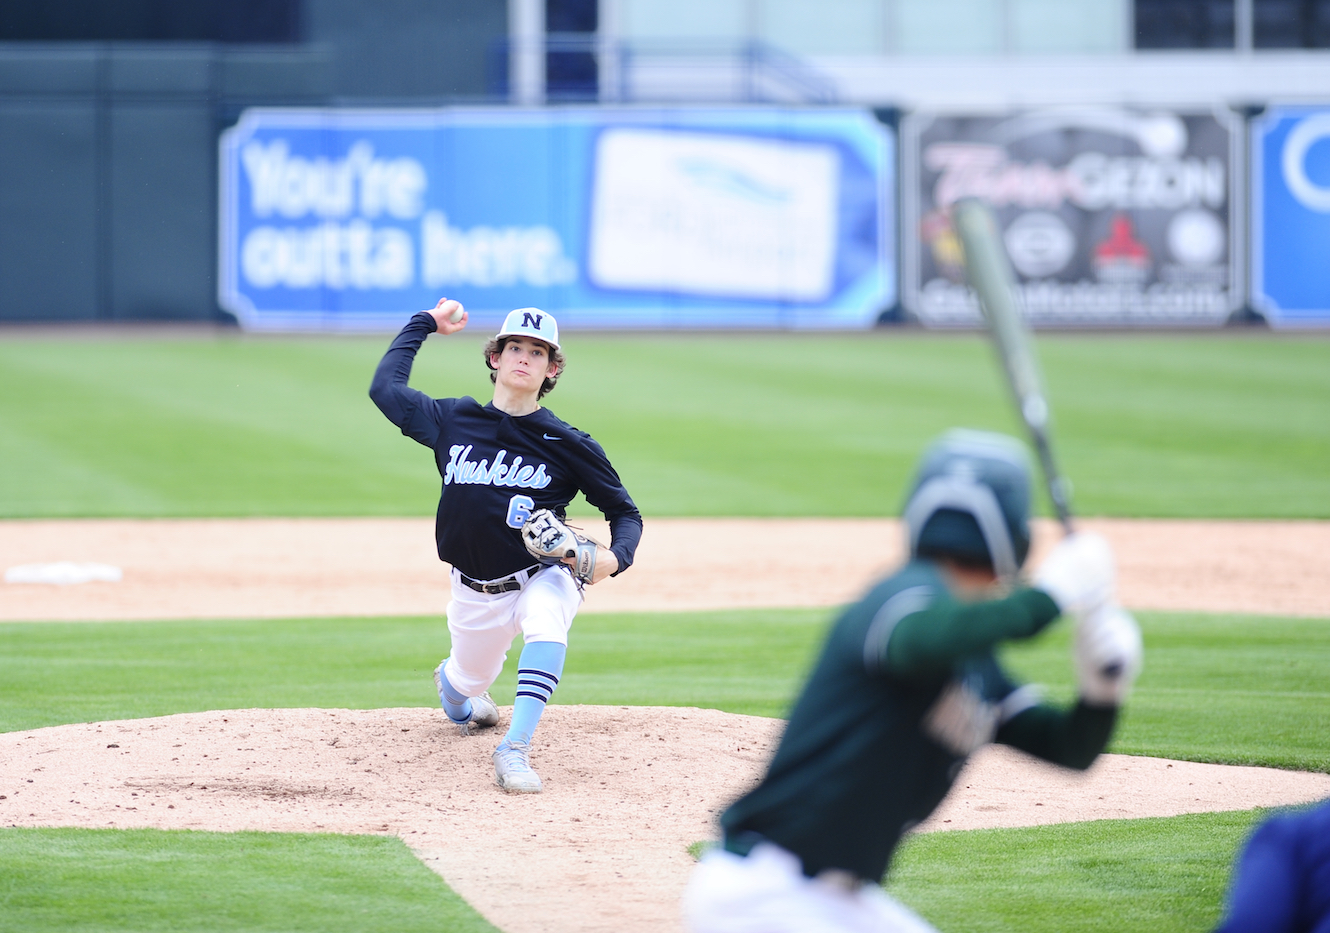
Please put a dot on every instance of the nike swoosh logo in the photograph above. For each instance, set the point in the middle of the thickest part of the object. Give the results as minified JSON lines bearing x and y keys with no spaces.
{"x":551,"y":437}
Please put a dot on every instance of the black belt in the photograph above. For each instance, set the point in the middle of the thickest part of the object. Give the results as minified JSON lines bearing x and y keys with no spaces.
{"x":495,"y":587}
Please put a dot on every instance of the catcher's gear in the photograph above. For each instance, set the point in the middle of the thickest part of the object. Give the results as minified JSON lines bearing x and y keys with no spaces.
{"x":1078,"y":573}
{"x":550,"y":541}
{"x":971,"y":499}
{"x":1107,"y":651}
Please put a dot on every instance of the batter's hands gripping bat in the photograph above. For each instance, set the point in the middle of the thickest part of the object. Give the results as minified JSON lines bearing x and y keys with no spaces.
{"x":989,"y":271}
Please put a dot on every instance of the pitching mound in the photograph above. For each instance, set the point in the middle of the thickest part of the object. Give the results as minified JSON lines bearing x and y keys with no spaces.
{"x":603,"y":849}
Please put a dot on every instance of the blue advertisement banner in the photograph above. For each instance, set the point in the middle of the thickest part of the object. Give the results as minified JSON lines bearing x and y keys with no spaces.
{"x":1290,"y":192}
{"x":651,"y":218}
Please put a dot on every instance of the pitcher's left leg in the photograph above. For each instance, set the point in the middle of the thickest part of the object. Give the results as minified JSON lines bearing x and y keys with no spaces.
{"x":545,"y":612}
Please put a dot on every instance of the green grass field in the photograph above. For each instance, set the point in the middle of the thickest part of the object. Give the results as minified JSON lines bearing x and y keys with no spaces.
{"x":1208,"y":425}
{"x":1227,"y":689}
{"x":1169,"y":425}
{"x":57,"y":880}
{"x":1106,"y":875}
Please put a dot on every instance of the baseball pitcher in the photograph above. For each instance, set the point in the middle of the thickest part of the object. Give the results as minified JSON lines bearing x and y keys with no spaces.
{"x":509,"y":469}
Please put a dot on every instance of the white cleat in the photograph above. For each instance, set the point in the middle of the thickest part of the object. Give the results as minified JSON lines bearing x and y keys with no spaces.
{"x":484,"y":714}
{"x":512,"y":768}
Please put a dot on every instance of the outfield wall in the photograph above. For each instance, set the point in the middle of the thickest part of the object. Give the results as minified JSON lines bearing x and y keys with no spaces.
{"x":108,"y":173}
{"x":115,"y":206}
{"x":772,"y":217}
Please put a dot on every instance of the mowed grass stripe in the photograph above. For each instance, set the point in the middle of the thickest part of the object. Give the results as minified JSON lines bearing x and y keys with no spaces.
{"x":1203,"y":425}
{"x":144,"y":880}
{"x":1109,"y":876}
{"x":1228,"y":689}
{"x":1216,"y":688}
{"x":53,"y":673}
{"x":1105,"y":876}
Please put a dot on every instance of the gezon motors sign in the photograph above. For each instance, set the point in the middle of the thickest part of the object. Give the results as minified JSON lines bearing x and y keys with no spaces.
{"x":1110,"y":216}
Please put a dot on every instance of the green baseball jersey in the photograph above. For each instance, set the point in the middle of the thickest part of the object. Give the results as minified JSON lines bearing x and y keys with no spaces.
{"x":906,"y":688}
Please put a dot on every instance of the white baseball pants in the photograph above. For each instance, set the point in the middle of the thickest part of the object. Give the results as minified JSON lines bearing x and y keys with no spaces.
{"x":483,"y":626}
{"x":767,"y":892}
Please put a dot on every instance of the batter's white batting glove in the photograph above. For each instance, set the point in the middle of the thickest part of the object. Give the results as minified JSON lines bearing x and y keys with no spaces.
{"x":1078,"y":573}
{"x":1107,"y":651}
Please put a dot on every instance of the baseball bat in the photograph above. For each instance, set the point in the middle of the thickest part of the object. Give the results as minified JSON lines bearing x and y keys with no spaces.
{"x":989,"y":271}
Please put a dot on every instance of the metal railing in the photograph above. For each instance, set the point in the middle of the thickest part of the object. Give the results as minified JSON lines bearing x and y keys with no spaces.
{"x":585,"y":67}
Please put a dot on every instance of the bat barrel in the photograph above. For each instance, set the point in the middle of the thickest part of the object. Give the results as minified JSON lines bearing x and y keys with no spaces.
{"x":991,"y":277}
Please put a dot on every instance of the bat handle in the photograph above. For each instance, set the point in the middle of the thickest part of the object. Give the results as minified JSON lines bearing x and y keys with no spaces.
{"x":1058,"y":489}
{"x":1068,"y":528}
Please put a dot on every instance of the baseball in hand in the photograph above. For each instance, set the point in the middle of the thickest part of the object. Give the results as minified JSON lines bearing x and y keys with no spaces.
{"x":453,"y":309}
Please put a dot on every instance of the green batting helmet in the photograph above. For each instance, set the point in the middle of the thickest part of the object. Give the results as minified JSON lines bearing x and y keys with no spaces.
{"x":971,"y":500}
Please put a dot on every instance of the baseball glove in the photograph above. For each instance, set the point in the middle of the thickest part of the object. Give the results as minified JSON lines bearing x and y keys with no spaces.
{"x":550,"y":541}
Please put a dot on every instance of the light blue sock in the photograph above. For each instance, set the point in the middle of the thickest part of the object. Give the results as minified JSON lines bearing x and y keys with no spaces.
{"x":538,"y":670}
{"x":455,"y":704}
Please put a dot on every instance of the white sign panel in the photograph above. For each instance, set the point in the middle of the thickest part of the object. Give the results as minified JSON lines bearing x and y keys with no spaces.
{"x":701,"y":213}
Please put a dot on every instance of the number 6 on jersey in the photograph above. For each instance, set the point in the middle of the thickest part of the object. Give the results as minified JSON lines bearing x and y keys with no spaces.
{"x":519,"y":510}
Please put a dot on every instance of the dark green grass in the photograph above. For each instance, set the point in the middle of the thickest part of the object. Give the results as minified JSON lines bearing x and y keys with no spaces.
{"x":143,"y":880}
{"x":1107,"y":876}
{"x":1232,"y":689}
{"x":1228,"y":689}
{"x":53,"y":672}
{"x":697,"y":424}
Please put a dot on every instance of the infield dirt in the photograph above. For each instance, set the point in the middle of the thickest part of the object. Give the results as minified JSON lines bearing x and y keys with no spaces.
{"x":282,"y":568}
{"x":628,"y":788}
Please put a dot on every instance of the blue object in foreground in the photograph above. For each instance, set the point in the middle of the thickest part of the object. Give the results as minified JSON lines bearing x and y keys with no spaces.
{"x":1282,"y":881}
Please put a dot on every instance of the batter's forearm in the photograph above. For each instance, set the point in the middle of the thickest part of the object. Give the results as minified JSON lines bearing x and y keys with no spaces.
{"x":1072,"y":738}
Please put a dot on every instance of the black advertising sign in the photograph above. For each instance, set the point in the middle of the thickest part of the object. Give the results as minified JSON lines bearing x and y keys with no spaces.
{"x":1111,"y":216}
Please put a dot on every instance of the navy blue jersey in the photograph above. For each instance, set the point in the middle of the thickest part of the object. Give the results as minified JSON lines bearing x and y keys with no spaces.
{"x":906,"y":688}
{"x":497,"y":469}
{"x":1282,"y":880}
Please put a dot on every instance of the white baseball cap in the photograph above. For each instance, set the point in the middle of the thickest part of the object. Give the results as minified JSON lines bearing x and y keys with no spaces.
{"x":531,"y":322}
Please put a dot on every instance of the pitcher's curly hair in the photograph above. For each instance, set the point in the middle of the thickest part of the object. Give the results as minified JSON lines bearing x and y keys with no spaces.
{"x":495,"y":346}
